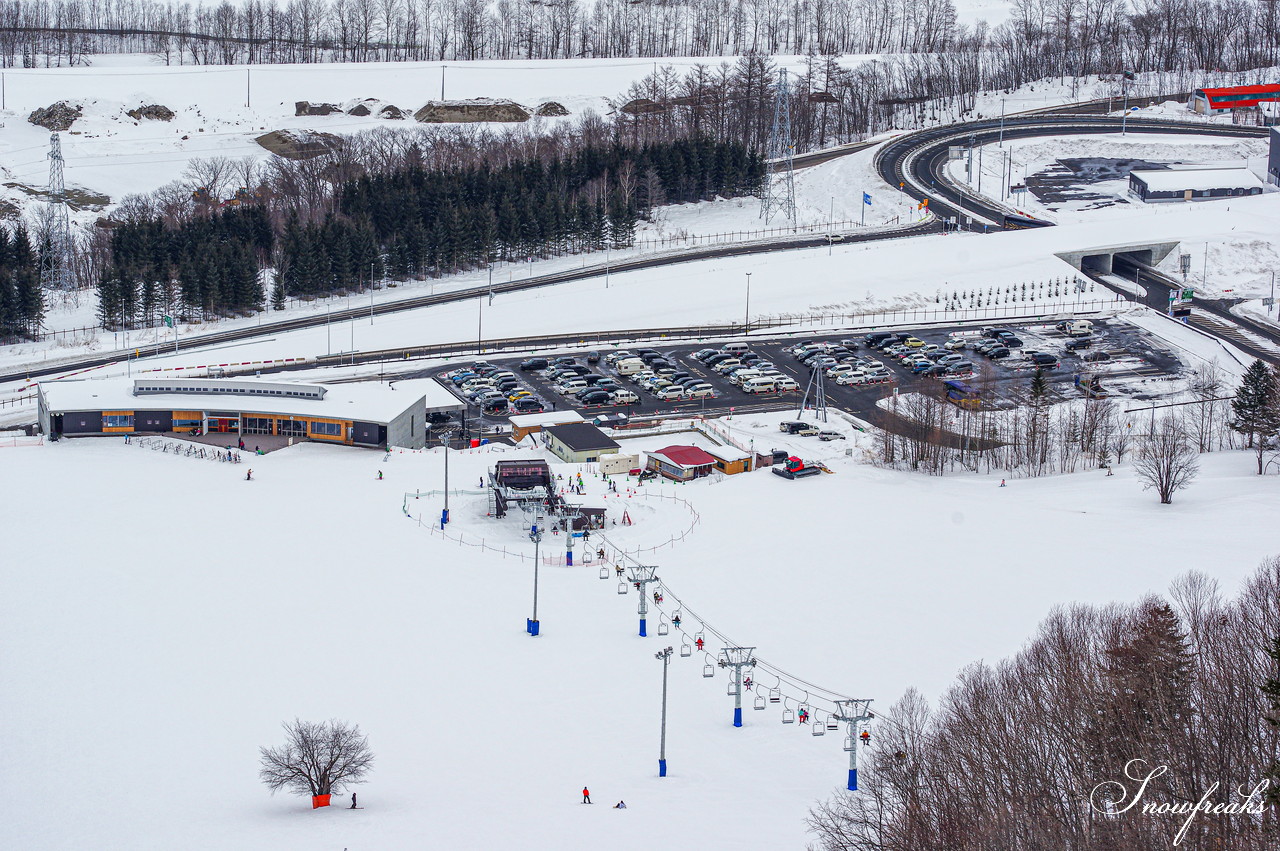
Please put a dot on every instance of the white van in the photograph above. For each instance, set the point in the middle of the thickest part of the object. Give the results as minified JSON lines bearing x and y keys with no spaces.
{"x":630,"y":366}
{"x":573,"y":385}
{"x":758,"y":385}
{"x":744,"y":375}
{"x":625,"y":397}
{"x":785,"y":383}
{"x":1078,"y":328}
{"x":726,"y":365}
{"x":735,"y":348}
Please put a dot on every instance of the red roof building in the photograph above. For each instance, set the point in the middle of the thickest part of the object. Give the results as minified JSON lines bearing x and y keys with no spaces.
{"x":1208,"y":101}
{"x":681,"y":463}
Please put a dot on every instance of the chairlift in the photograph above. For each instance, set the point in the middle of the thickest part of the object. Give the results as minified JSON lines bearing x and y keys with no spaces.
{"x":604,"y":572}
{"x":663,"y":629}
{"x":850,"y":743}
{"x":677,"y":615}
{"x":622,"y":587}
{"x":819,"y":729}
{"x":832,"y":723}
{"x":708,"y":670}
{"x":759,"y":701}
{"x":775,"y":696}
{"x":732,"y":688}
{"x":686,"y":649}
{"x":788,"y":717}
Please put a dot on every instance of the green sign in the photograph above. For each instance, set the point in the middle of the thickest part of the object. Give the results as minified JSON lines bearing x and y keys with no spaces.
{"x":168,"y":320}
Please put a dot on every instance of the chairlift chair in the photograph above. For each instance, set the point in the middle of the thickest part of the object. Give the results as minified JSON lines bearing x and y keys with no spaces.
{"x":775,"y":696}
{"x":708,"y":670}
{"x":788,"y":717}
{"x":663,"y":629}
{"x":622,"y":587}
{"x":850,"y":743}
{"x":759,"y":701}
{"x":604,"y":571}
{"x":732,"y":688}
{"x":819,"y":729}
{"x":686,"y":649}
{"x":832,"y":723}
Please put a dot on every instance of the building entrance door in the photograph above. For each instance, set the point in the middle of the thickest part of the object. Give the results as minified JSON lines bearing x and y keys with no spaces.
{"x":223,"y":424}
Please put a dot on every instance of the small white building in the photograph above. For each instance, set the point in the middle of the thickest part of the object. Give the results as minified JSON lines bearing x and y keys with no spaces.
{"x":523,"y":425}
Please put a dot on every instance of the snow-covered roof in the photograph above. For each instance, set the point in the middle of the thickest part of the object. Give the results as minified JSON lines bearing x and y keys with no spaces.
{"x":367,"y":401}
{"x":1198,"y":179}
{"x":549,"y":418}
{"x":728,"y":453}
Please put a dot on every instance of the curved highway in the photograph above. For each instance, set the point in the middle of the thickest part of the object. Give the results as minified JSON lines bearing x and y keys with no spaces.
{"x":917,"y":162}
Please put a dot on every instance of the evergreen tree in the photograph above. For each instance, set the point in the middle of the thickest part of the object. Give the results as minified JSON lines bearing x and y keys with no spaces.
{"x":1256,"y":409}
{"x":277,"y":293}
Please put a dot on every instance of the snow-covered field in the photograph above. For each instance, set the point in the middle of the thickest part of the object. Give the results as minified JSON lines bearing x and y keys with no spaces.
{"x":160,"y":616}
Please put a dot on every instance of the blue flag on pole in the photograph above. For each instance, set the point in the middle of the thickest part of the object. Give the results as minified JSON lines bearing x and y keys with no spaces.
{"x":866,"y":199}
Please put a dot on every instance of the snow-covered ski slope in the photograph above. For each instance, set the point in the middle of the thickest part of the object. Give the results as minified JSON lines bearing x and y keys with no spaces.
{"x":160,"y":616}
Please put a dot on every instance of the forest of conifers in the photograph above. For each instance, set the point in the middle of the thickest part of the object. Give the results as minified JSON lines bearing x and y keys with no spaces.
{"x":410,"y":220}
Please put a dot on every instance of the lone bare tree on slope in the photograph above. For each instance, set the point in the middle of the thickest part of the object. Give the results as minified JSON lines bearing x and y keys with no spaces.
{"x":317,"y":759}
{"x":1166,"y":461}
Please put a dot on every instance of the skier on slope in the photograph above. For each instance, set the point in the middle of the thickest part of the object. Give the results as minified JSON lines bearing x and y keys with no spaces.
{"x":586,"y":795}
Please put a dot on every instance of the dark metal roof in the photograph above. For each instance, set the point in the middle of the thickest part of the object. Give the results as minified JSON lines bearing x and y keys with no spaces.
{"x":581,"y":437}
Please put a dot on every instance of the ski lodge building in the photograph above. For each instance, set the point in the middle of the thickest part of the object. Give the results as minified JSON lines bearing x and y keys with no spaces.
{"x":358,"y":414}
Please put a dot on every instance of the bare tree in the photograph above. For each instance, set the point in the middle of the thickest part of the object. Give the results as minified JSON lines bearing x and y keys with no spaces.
{"x":317,"y":759}
{"x":1166,"y":460}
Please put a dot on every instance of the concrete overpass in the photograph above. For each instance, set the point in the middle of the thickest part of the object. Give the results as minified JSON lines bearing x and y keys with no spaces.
{"x":1101,"y":258}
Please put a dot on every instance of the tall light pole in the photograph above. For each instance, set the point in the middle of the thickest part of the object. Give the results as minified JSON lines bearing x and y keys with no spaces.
{"x":746,"y":321}
{"x":444,"y":514}
{"x":665,"y":656}
{"x":535,"y":535}
{"x":1001,"y":123}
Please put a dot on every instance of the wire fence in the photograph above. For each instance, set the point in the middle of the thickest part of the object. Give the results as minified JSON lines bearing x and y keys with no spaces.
{"x":16,"y":440}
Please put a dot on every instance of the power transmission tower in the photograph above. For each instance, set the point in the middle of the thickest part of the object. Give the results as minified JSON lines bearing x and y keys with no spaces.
{"x":737,"y":658}
{"x":780,"y":193}
{"x":55,"y":259}
{"x":853,"y":713}
{"x":817,"y":392}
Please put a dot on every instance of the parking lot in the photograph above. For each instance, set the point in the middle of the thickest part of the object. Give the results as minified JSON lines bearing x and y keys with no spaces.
{"x":1127,"y":361}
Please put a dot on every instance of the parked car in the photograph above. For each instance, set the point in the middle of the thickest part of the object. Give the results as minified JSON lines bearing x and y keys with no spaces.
{"x":1094,"y":357}
{"x":800,"y":428}
{"x":1078,"y":343}
{"x":998,"y":352}
{"x":830,"y":435}
{"x":593,"y":357}
{"x":1043,"y":359}
{"x":528,"y":405}
{"x":700,"y":391}
{"x":670,"y":393}
{"x":625,"y":397}
{"x":596,"y":397}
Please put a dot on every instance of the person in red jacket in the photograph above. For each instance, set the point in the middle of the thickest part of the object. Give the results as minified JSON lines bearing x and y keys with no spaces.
{"x":586,"y":795}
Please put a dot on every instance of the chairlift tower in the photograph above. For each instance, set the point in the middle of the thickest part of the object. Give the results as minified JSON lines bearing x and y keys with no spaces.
{"x":780,"y":194}
{"x":641,"y":576}
{"x":853,"y":712}
{"x":815,"y":390}
{"x":737,"y":658}
{"x":55,"y":259}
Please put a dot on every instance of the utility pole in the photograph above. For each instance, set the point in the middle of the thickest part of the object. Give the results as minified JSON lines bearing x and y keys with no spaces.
{"x":665,"y":656}
{"x":442,"y":67}
{"x":247,"y":88}
{"x":746,"y":319}
{"x":853,"y":713}
{"x":1001,"y":122}
{"x":372,"y":268}
{"x":641,"y":576}
{"x":444,"y":514}
{"x":535,"y":534}
{"x":737,"y":658}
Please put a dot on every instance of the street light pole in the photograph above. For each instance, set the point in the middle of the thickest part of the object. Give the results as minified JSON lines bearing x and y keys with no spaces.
{"x":1001,"y":145}
{"x":665,"y":656}
{"x":444,"y":514}
{"x":746,"y":321}
{"x":535,"y":535}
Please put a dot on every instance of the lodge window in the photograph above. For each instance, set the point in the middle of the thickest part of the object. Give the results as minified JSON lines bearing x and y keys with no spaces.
{"x":117,"y":420}
{"x":331,"y":429}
